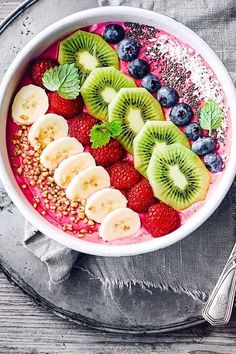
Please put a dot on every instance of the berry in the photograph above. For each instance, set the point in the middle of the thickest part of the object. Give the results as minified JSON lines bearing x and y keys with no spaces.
{"x":38,"y":69}
{"x":64,"y":107}
{"x":108,"y":154}
{"x":181,"y":114}
{"x":161,"y":219}
{"x":138,"y":68}
{"x":128,"y":50}
{"x":193,"y":131}
{"x":151,"y":83}
{"x":123,"y":175}
{"x":204,"y":146}
{"x":113,"y":33}
{"x":213,"y":162}
{"x":140,"y":197}
{"x":167,"y":96}
{"x":80,"y":126}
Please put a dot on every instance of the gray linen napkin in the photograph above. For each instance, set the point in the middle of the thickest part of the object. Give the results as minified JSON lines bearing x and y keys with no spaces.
{"x":194,"y":264}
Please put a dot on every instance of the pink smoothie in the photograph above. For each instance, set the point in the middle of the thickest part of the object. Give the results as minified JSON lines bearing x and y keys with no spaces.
{"x":177,"y":65}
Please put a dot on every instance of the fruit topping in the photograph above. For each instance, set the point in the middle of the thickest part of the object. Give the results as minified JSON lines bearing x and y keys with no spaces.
{"x":103,"y":202}
{"x":80,"y":127}
{"x":71,"y":166}
{"x":101,"y":87}
{"x":152,"y":134}
{"x":38,"y":69}
{"x":113,"y":33}
{"x":178,"y":176}
{"x":29,"y":104}
{"x":120,"y":223}
{"x":161,"y":219}
{"x":204,"y":145}
{"x":88,"y":51}
{"x":138,"y":68}
{"x":87,"y":182}
{"x":123,"y":175}
{"x":167,"y":96}
{"x":64,"y":79}
{"x":193,"y":131}
{"x":108,"y":154}
{"x":181,"y":114}
{"x":140,"y":196}
{"x":128,"y":50}
{"x":213,"y":162}
{"x":151,"y":83}
{"x":58,"y":150}
{"x":64,"y":107}
{"x":47,"y":128}
{"x":133,"y":107}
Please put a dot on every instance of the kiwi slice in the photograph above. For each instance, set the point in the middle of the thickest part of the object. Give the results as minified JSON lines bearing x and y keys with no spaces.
{"x":133,"y":107}
{"x":101,"y":87}
{"x":178,"y":176}
{"x":154,"y":134}
{"x":88,"y":51}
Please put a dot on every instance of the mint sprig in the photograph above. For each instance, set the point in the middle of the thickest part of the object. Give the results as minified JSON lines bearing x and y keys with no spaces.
{"x":101,"y":134}
{"x":64,"y":79}
{"x":211,"y":115}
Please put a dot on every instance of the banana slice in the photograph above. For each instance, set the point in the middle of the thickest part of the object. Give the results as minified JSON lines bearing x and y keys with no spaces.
{"x":58,"y":150}
{"x":47,"y":128}
{"x":119,"y":223}
{"x":101,"y":203}
{"x":91,"y":180}
{"x":71,"y":166}
{"x":29,"y":104}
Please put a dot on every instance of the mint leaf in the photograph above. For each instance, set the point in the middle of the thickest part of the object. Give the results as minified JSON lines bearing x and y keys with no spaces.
{"x":64,"y":79}
{"x":211,"y":115}
{"x":101,"y":134}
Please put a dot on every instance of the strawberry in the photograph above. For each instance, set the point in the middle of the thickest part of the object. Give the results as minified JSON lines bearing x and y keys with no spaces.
{"x":140,"y":196}
{"x":64,"y":107}
{"x":38,"y":69}
{"x":80,"y":126}
{"x":123,"y":175}
{"x":161,"y":219}
{"x":108,"y":154}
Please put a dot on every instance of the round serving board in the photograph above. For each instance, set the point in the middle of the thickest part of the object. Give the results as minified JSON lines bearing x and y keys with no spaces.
{"x":81,"y":299}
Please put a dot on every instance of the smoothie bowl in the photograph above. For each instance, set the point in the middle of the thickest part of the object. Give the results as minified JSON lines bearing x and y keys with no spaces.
{"x":116,"y":131}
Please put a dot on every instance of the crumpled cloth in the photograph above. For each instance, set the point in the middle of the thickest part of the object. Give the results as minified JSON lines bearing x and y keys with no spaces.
{"x":194,"y":264}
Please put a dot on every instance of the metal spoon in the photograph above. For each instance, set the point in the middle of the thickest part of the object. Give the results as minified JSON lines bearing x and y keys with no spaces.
{"x":218,"y":309}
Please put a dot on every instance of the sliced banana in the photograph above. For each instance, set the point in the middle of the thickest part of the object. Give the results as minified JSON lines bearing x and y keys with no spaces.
{"x":101,"y":203}
{"x":29,"y":104}
{"x":119,"y":223}
{"x":87,"y":182}
{"x":47,"y":128}
{"x":71,"y":166}
{"x":58,"y":150}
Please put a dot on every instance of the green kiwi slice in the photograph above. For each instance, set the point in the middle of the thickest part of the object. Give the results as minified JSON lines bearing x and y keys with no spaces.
{"x":101,"y":87}
{"x":178,"y":176}
{"x":155,"y":134}
{"x":133,"y":107}
{"x":88,"y":51}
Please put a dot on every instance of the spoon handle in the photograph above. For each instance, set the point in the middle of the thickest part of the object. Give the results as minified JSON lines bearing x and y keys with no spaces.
{"x":218,"y":308}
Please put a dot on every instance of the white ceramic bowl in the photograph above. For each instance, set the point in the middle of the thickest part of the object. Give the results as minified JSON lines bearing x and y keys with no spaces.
{"x":47,"y":37}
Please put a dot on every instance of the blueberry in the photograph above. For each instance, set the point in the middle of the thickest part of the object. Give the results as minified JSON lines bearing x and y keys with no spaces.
{"x":151,"y":83}
{"x":193,"y":131}
{"x":213,"y":162}
{"x":138,"y":68}
{"x":181,"y":114}
{"x":128,"y":50}
{"x":204,"y":146}
{"x":167,"y":96}
{"x":113,"y":33}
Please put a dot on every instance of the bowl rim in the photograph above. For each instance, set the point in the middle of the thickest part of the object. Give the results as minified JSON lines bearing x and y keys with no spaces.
{"x":80,"y":19}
